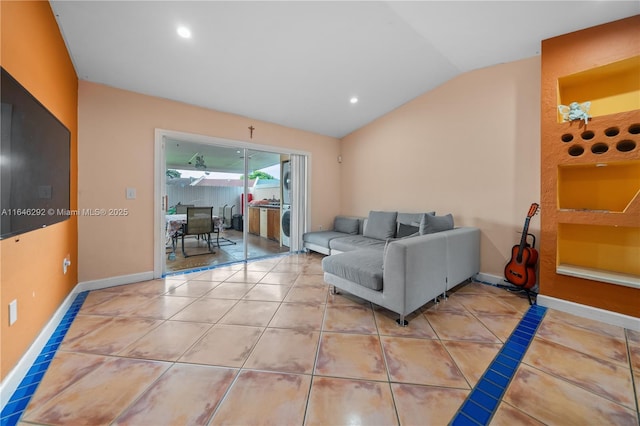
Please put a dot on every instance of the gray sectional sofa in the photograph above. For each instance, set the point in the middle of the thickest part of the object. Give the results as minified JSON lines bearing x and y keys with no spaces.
{"x":399,"y":261}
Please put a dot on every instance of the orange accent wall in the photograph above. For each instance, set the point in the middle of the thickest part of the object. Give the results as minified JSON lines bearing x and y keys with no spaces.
{"x":590,"y":221}
{"x":33,"y":51}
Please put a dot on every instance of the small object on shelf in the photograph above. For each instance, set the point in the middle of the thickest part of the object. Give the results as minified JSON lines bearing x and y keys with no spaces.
{"x":575,"y":111}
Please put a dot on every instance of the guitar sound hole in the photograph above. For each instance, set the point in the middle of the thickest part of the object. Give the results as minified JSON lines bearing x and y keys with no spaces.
{"x":576,"y":151}
{"x":599,"y":148}
{"x":626,"y":146}
{"x":567,"y":137}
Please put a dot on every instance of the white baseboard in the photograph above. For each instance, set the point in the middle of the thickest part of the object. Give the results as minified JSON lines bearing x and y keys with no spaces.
{"x":608,"y":317}
{"x":590,"y":312}
{"x":15,"y":376}
{"x":481,"y":277}
{"x":113,"y":281}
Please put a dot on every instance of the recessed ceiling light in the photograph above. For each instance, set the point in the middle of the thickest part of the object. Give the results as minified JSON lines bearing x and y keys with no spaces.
{"x":354,"y":100}
{"x":184,"y":32}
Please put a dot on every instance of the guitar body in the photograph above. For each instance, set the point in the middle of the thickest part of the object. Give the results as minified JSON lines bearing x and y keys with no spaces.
{"x":522,"y":273}
{"x":521,"y":269}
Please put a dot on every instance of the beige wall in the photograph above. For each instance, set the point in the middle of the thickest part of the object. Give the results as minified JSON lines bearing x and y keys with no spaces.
{"x":116,"y":151}
{"x":471,"y":147}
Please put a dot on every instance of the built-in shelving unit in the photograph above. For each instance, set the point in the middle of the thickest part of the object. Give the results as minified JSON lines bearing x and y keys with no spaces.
{"x":590,"y":177}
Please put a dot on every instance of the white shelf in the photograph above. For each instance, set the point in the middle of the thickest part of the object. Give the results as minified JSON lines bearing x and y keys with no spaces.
{"x":599,"y":275}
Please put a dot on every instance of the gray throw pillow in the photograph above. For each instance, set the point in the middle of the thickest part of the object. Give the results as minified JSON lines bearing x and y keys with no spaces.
{"x":348,"y":225}
{"x":431,"y":224}
{"x":406,"y":230}
{"x":381,"y":225}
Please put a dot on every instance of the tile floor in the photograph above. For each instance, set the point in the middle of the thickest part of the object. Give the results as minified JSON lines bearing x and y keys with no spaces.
{"x":266,"y":343}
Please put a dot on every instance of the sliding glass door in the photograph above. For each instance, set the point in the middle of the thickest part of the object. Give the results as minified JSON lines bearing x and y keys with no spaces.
{"x":250,"y":191}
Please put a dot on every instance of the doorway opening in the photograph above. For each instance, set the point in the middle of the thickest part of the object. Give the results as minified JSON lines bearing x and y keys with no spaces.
{"x":249,"y":189}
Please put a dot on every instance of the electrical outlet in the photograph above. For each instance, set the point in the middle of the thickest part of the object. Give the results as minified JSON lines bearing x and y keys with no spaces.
{"x":320,"y":227}
{"x":13,"y":311}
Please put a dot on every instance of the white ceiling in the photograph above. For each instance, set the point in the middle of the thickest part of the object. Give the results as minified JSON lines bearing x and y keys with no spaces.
{"x":180,"y":155}
{"x":298,"y":63}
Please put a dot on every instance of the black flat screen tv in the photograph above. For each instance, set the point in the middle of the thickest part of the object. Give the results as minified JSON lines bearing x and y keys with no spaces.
{"x":34,"y":162}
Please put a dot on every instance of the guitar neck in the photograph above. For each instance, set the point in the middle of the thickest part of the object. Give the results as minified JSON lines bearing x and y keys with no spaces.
{"x":523,"y":239}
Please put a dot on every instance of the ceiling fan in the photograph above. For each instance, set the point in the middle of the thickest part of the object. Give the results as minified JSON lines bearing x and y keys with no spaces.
{"x":199,"y":161}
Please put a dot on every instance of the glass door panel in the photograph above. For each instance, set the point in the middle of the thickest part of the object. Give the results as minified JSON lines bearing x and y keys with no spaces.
{"x":264,"y":237}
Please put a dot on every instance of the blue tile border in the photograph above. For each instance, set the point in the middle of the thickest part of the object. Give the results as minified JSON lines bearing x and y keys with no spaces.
{"x":18,"y":402}
{"x":484,"y":398}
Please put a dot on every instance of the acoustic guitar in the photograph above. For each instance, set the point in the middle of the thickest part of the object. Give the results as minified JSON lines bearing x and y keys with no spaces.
{"x":521,"y":269}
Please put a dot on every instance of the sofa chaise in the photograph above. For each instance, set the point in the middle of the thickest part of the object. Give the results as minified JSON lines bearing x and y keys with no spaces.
{"x":399,"y":261}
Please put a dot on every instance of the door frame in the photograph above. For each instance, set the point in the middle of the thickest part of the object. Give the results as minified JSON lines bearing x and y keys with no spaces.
{"x":159,"y":191}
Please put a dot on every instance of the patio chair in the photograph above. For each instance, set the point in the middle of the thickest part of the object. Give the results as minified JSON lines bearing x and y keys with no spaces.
{"x":199,"y":223}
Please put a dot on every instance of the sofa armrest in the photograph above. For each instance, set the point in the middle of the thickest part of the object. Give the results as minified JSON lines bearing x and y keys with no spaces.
{"x":415,"y":270}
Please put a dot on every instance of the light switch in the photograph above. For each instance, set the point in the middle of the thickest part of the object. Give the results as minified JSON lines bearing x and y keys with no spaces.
{"x":13,"y":312}
{"x":131,"y":193}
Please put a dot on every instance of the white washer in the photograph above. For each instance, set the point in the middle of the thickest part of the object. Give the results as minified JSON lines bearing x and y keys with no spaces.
{"x":285,"y":225}
{"x":286,"y":182}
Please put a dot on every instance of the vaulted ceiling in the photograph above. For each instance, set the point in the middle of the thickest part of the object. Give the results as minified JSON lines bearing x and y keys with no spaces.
{"x":299,"y":63}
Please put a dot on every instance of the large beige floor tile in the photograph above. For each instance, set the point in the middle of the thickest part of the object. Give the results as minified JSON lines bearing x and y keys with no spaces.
{"x":349,"y":319}
{"x":100,"y":396}
{"x":421,"y":361}
{"x":65,"y":369}
{"x":217,"y":274}
{"x":586,"y":323}
{"x":162,"y":307}
{"x":112,"y":337}
{"x":224,"y":345}
{"x":299,"y":294}
{"x":506,"y":415}
{"x":234,"y":291}
{"x":336,"y":401}
{"x":247,"y":277}
{"x":285,"y":350}
{"x":205,"y":310}
{"x":267,"y":292}
{"x":556,"y":402}
{"x":458,"y":325}
{"x":193,"y":288}
{"x":184,"y":395}
{"x":426,"y":405}
{"x":282,"y":278}
{"x":487,"y":304}
{"x":583,"y":340}
{"x":122,"y":304}
{"x":82,"y":326}
{"x":262,"y":398}
{"x":249,"y":312}
{"x":302,"y":316}
{"x":310,"y":280}
{"x":600,"y":376}
{"x":419,"y":327}
{"x":167,"y":342}
{"x":500,"y":325}
{"x":472,"y":358}
{"x":354,"y":356}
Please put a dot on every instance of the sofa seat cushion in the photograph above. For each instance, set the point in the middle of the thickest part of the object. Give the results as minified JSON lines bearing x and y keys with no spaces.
{"x":363,"y":267}
{"x":321,"y":238}
{"x":355,"y":242}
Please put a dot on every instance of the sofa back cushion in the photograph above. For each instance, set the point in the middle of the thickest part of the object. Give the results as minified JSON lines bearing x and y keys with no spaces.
{"x":406,"y":230}
{"x":431,"y":223}
{"x":381,"y":225}
{"x":348,"y":225}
